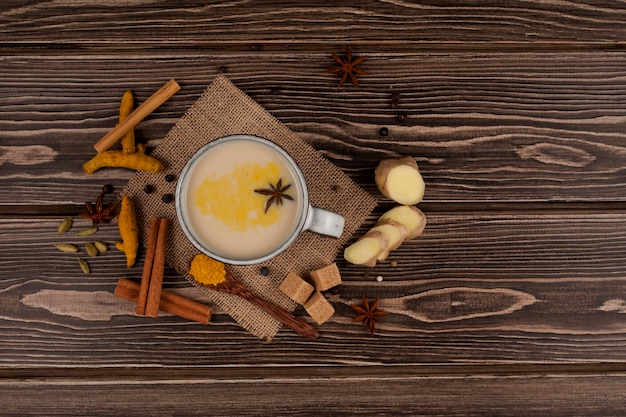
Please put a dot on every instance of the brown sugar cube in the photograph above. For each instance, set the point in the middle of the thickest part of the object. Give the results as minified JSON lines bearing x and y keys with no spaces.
{"x":325,"y":278}
{"x":319,"y":308}
{"x":296,"y":288}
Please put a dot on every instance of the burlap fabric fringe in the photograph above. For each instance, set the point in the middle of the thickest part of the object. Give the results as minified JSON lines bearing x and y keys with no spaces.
{"x":224,"y":110}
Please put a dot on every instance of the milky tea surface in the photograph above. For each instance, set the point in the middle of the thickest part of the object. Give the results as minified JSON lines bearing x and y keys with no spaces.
{"x":223,"y":209}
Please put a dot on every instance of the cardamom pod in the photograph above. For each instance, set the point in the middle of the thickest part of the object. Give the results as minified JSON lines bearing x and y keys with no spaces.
{"x":92,"y":250}
{"x":84,"y":266}
{"x":65,"y":225}
{"x":87,"y":232}
{"x":66,"y":247}
{"x":101,"y":246}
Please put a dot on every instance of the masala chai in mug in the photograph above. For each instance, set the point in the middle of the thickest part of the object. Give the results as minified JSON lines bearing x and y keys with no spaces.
{"x":242,"y":199}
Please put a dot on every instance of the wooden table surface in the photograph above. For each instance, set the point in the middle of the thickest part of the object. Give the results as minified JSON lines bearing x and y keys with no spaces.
{"x":513,"y":300}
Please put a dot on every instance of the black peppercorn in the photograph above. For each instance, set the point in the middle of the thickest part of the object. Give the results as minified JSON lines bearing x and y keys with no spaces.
{"x":167,"y":198}
{"x":170,"y":178}
{"x":265,"y":271}
{"x":148,"y":189}
{"x":383,"y":131}
{"x":401,"y":117}
{"x":107,"y":189}
{"x":222,"y":69}
{"x":395,"y":99}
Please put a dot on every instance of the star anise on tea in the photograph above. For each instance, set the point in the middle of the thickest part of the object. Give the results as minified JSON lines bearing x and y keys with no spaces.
{"x":368,"y":313}
{"x":347,"y":67}
{"x":276,"y":193}
{"x":100,"y":212}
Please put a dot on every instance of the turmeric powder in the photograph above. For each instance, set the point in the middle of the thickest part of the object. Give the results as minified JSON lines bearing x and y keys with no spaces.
{"x":207,"y":271}
{"x":129,"y":232}
{"x":138,"y":161}
{"x":126,"y":108}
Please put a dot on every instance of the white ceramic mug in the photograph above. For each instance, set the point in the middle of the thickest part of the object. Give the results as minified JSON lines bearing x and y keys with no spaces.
{"x":242,"y":200}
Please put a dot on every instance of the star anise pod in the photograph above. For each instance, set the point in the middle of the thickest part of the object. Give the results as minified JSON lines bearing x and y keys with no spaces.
{"x":347,"y":67}
{"x":277,"y":194}
{"x":368,"y":313}
{"x":100,"y":212}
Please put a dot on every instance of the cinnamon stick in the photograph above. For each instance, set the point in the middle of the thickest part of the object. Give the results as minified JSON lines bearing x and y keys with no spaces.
{"x":158,"y":267}
{"x":232,"y":285}
{"x":142,"y":298}
{"x":147,"y":107}
{"x":170,"y":302}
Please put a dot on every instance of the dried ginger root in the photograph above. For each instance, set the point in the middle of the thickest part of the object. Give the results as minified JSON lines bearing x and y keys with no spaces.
{"x":129,"y":232}
{"x":400,"y":180}
{"x":138,"y":161}
{"x":131,"y":156}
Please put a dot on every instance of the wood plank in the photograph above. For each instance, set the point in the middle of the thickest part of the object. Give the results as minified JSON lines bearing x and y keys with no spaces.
{"x":120,"y":25}
{"x":511,"y":303}
{"x":483,"y":127}
{"x":492,"y":289}
{"x":425,"y":396}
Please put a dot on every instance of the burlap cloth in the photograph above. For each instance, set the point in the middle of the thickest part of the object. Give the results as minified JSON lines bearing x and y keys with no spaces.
{"x":224,"y":110}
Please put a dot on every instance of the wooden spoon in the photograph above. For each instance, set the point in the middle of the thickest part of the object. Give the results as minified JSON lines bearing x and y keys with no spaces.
{"x":210,"y":273}
{"x":233,"y":286}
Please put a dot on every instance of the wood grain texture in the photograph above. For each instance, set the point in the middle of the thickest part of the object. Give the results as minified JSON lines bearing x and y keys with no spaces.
{"x":141,"y":25}
{"x":365,"y":396}
{"x":491,"y":290}
{"x":483,"y":127}
{"x":511,"y":303}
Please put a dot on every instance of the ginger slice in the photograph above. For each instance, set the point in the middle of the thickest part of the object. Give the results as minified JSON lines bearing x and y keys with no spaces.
{"x":395,"y":231}
{"x":365,"y":251}
{"x":411,"y":217}
{"x":400,"y":180}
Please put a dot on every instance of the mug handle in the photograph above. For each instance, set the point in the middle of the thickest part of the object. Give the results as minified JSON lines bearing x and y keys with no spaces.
{"x":324,"y":222}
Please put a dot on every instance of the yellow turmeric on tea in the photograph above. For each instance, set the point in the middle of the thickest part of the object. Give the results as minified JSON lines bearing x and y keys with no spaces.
{"x":207,"y":271}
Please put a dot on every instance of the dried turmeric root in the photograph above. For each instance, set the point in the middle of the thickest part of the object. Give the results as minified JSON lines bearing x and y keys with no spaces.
{"x":129,"y":232}
{"x":131,"y":156}
{"x":126,"y":108}
{"x":138,"y":161}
